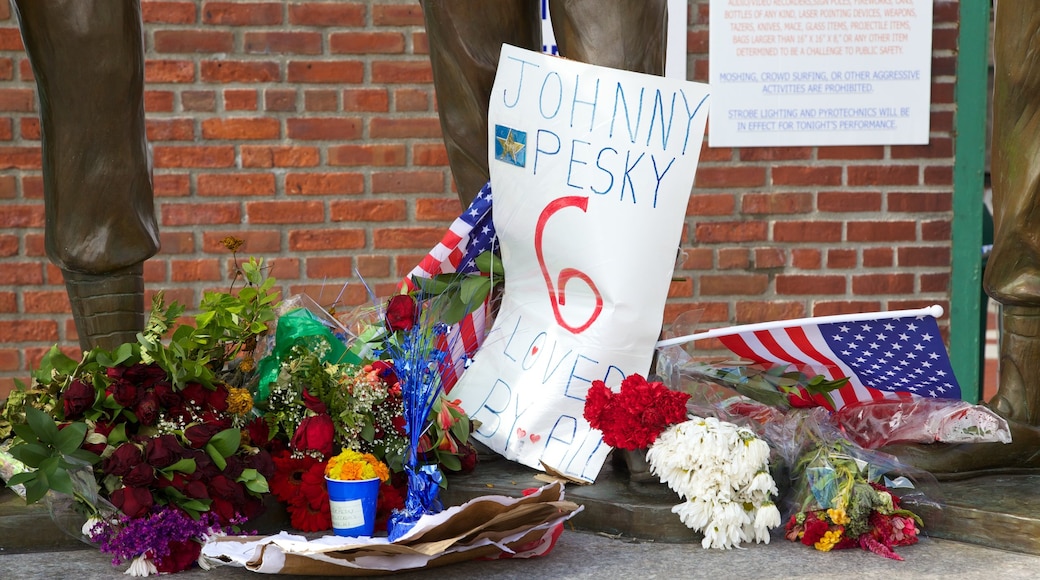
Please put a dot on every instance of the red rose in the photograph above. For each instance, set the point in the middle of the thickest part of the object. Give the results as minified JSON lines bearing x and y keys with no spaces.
{"x":163,"y":451}
{"x":125,"y":393}
{"x":315,"y":433}
{"x":801,"y":399}
{"x":147,"y":409}
{"x":126,"y":457}
{"x":262,"y":462}
{"x":224,"y":509}
{"x":313,"y":403}
{"x":400,"y":312}
{"x":258,"y":432}
{"x":226,"y":488}
{"x":142,"y":475}
{"x":145,"y":375}
{"x":217,"y":398}
{"x":183,"y":555}
{"x":132,"y":501}
{"x":77,"y":398}
{"x":168,"y":396}
{"x":199,"y":435}
{"x":195,"y":392}
{"x":101,"y":429}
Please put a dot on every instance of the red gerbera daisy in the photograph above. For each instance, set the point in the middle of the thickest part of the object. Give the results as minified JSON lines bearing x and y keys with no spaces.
{"x":288,"y":474}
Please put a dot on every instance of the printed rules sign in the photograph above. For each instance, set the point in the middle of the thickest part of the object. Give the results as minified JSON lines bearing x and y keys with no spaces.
{"x":591,"y":171}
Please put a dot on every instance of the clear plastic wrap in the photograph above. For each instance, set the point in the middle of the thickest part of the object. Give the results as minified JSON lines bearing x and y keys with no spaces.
{"x":874,"y":424}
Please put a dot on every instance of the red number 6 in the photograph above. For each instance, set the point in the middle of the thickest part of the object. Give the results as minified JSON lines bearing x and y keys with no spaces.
{"x":565,"y":274}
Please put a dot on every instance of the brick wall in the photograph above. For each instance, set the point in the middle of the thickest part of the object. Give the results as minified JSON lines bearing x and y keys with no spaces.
{"x":309,"y":130}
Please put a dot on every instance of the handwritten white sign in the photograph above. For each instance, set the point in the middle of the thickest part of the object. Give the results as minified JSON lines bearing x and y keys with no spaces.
{"x":591,"y":171}
{"x":820,"y":72}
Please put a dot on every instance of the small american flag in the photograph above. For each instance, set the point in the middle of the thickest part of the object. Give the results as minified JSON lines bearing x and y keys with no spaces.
{"x":883,"y":358}
{"x":470,"y":235}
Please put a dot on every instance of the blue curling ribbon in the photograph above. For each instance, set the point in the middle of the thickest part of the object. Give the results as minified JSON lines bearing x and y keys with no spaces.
{"x":423,"y":489}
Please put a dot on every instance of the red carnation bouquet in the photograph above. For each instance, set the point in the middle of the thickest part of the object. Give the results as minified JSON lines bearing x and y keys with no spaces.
{"x":634,"y":417}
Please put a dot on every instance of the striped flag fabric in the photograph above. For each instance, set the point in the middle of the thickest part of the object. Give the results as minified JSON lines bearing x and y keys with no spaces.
{"x":893,"y":355}
{"x":471,"y":234}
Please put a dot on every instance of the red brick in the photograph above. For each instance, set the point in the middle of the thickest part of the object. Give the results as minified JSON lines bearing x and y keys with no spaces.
{"x":168,"y":12}
{"x":804,"y":175}
{"x":205,"y":41}
{"x":237,"y":184}
{"x":11,"y":39}
{"x":680,"y":288}
{"x":736,"y":176}
{"x":32,"y":187}
{"x":320,"y":100}
{"x":155,"y":270}
{"x":322,"y":14}
{"x":938,"y":176}
{"x":775,"y":154}
{"x":6,"y":69}
{"x":335,"y":239}
{"x":881,"y":231}
{"x":833,"y":307}
{"x":411,"y":100}
{"x":373,"y":266}
{"x":848,"y":201}
{"x":22,"y":216}
{"x":8,"y":245}
{"x":397,"y":72}
{"x":936,"y":148}
{"x":323,"y":129}
{"x":168,"y":71}
{"x":816,"y":231}
{"x":20,"y":100}
{"x":935,"y":283}
{"x":352,"y":72}
{"x":324,"y":183}
{"x":806,"y":258}
{"x":705,"y":204}
{"x":371,"y":155}
{"x":321,"y":268}
{"x":733,"y":258}
{"x":718,"y":232}
{"x":372,"y":100}
{"x":882,"y":175}
{"x":285,"y":212}
{"x":769,"y":258}
{"x":733,"y":284}
{"x":698,"y":259}
{"x":800,"y":284}
{"x":194,"y":156}
{"x":776,"y":203}
{"x":755,"y":312}
{"x":171,"y":185}
{"x":20,"y":158}
{"x":279,"y":156}
{"x":437,"y":209}
{"x":176,"y":243}
{"x":199,"y":100}
{"x":283,"y":268}
{"x":10,"y":360}
{"x":240,"y":99}
{"x":226,"y":71}
{"x":158,"y":101}
{"x":282,"y":42}
{"x":920,"y":202}
{"x":407,"y":182}
{"x":366,"y":43}
{"x":29,"y":127}
{"x":242,"y":14}
{"x":253,"y":241}
{"x":397,"y":15}
{"x":868,"y":284}
{"x":15,"y":331}
{"x":8,"y":187}
{"x":170,"y":129}
{"x":841,"y":259}
{"x":851,"y":152}
{"x":190,"y":214}
{"x":194,"y":270}
{"x":280,"y":100}
{"x":241,"y":128}
{"x":935,"y":231}
{"x":21,"y":273}
{"x":427,"y":155}
{"x":937,"y":256}
{"x":404,"y":128}
{"x":364,"y":210}
{"x":878,"y":257}
{"x":403,"y":238}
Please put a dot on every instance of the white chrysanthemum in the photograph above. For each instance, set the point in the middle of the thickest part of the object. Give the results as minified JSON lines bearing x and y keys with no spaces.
{"x":88,"y":526}
{"x":720,"y":471}
{"x":141,"y":566}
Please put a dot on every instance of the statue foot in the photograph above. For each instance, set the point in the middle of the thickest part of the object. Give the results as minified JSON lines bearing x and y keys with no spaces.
{"x":108,"y":308}
{"x":634,"y":462}
{"x":949,"y":461}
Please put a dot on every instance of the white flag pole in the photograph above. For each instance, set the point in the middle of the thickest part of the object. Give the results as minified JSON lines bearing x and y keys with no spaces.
{"x":934,"y":311}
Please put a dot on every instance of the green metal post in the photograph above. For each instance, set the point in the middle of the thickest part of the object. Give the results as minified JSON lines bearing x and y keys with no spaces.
{"x":968,"y":183}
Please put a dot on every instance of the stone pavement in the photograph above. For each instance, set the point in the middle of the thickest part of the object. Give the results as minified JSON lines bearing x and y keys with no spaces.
{"x":626,"y":531}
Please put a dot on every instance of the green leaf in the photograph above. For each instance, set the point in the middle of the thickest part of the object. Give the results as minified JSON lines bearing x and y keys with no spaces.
{"x":450,"y":462}
{"x":226,"y":442}
{"x":87,"y":456}
{"x":474,"y":289}
{"x":186,"y":465}
{"x":368,"y":433}
{"x":42,"y":424}
{"x":454,"y":311}
{"x":58,"y":479}
{"x":431,"y":286}
{"x":215,"y":455}
{"x":71,"y":437}
{"x":25,"y":433}
{"x":35,"y":490}
{"x":488,"y":262}
{"x":21,"y":478}
{"x":118,"y":435}
{"x":31,"y":454}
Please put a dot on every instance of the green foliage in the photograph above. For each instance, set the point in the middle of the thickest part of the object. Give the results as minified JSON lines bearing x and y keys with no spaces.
{"x":453,"y":296}
{"x":50,"y":452}
{"x":766,"y":384}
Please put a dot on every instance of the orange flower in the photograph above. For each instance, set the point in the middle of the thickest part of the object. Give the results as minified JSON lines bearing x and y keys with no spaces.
{"x":351,"y":465}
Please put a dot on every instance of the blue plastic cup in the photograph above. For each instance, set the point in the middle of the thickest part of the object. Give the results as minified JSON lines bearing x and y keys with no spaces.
{"x":353,"y":506}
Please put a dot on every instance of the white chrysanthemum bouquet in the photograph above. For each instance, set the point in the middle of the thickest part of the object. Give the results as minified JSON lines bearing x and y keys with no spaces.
{"x":721,"y":471}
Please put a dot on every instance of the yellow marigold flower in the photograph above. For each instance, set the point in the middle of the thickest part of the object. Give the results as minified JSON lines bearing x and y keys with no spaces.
{"x":351,"y":465}
{"x":838,"y":516}
{"x":239,"y":401}
{"x":247,"y":364}
{"x":828,"y":540}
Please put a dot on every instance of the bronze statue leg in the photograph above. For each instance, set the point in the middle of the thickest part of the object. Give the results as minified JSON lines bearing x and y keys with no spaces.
{"x":622,"y":34}
{"x":88,"y":60}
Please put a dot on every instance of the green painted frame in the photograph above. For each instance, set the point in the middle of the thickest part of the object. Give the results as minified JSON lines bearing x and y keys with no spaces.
{"x":968,"y":182}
